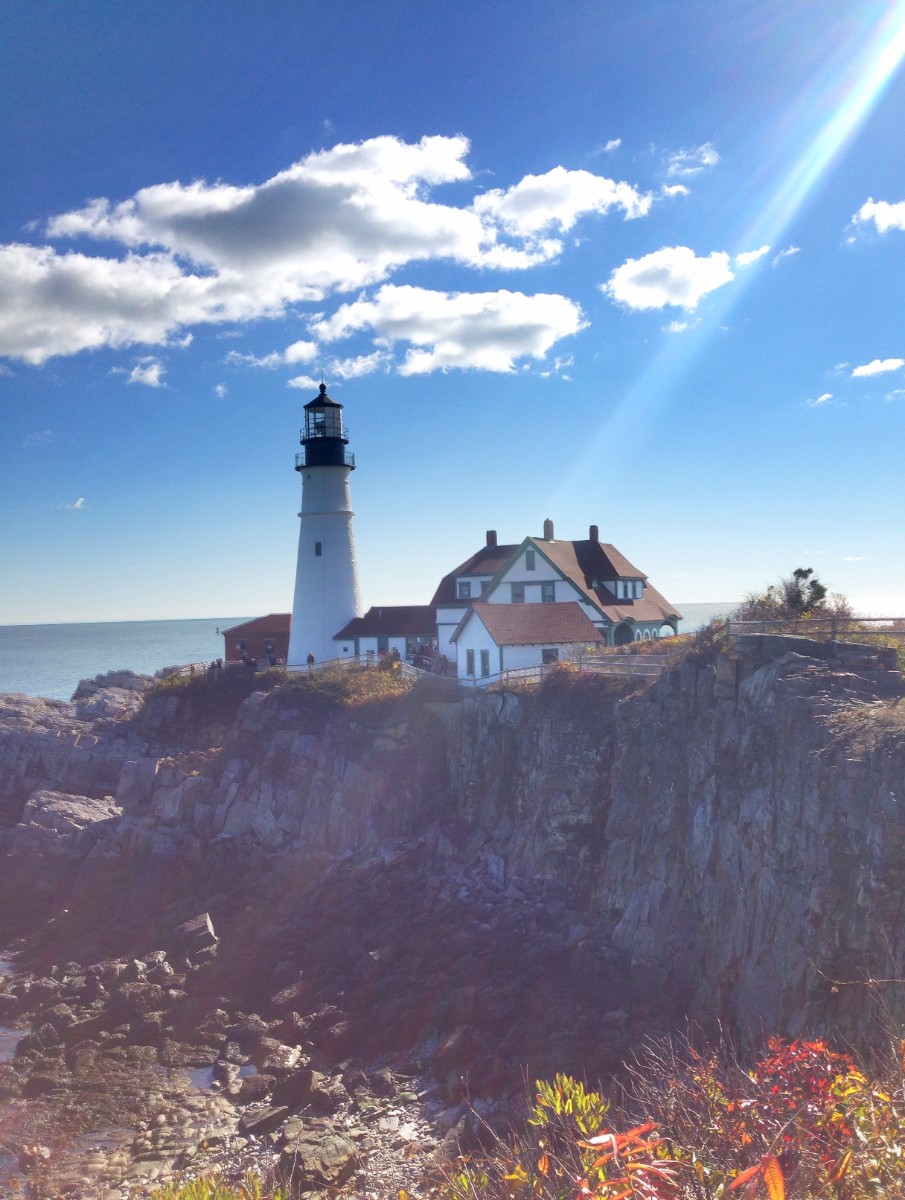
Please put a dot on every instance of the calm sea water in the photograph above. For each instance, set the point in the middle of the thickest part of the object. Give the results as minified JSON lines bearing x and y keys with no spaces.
{"x":49,"y":660}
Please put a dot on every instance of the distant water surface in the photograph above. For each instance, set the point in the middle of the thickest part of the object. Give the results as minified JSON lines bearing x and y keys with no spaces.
{"x":696,"y":616}
{"x":49,"y":660}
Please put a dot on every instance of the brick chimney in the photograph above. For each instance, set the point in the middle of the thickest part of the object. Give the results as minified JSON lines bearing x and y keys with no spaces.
{"x":593,"y":534}
{"x":491,"y":539}
{"x":548,"y":530}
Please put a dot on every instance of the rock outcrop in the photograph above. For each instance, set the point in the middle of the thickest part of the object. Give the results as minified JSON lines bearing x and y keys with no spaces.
{"x":719,"y":827}
{"x":324,"y":912}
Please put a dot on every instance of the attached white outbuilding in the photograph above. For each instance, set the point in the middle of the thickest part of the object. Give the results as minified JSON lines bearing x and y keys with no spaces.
{"x":492,"y":638}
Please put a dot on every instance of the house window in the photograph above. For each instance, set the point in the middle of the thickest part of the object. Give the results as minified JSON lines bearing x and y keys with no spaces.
{"x":485,"y":585}
{"x":463,"y":590}
{"x":518,"y":593}
{"x":529,"y":560}
{"x":469,"y":662}
{"x":268,"y":647}
{"x":318,"y":549}
{"x":639,"y":590}
{"x":242,"y":645}
{"x":485,"y":663}
{"x":548,"y":592}
{"x":549,"y":655}
{"x":620,"y":590}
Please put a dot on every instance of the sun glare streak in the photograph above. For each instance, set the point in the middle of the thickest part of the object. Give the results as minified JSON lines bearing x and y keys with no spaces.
{"x":850,"y":93}
{"x":849,"y":86}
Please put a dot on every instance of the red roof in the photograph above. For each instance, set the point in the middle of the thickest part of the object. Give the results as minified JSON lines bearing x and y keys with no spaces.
{"x":401,"y":620}
{"x":533,"y":624}
{"x":587,"y":563}
{"x":272,"y":623}
{"x":487,"y":561}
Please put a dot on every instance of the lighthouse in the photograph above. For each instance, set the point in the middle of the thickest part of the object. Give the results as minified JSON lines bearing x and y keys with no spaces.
{"x":326,"y":578}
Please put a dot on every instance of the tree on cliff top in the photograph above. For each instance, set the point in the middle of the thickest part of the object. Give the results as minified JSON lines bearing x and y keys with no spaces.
{"x":800,"y":594}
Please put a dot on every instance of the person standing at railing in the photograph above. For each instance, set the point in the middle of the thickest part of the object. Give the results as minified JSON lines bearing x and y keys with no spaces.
{"x":310,"y":659}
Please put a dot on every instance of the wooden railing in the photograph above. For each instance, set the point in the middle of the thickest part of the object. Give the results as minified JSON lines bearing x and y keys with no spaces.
{"x":834,"y":628}
{"x":640,"y":666}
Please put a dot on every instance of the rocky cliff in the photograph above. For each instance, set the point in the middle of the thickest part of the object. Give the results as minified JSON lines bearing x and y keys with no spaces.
{"x":735,"y":830}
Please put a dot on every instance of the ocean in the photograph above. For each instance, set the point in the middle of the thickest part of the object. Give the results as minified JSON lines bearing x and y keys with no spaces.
{"x":49,"y":660}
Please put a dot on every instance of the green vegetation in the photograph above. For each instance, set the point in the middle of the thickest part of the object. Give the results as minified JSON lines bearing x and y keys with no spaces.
{"x":212,"y":1188}
{"x":867,"y":727}
{"x":694,"y":1125}
{"x":798,"y":595}
{"x":207,"y":702}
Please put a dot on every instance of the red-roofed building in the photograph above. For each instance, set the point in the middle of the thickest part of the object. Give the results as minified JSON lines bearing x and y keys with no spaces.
{"x":262,"y":638}
{"x":492,"y":638}
{"x":410,"y":629}
{"x":614,"y":596}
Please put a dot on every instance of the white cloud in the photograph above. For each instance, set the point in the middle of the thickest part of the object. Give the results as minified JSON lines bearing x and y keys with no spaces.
{"x":41,"y":437}
{"x":53,"y":304}
{"x":296,"y":353}
{"x":305,"y":382}
{"x":673,"y":275}
{"x":855,"y":558}
{"x":221,"y":391}
{"x":336,"y":221}
{"x":485,"y":330}
{"x":895,"y":394}
{"x":674,"y":189}
{"x":148,"y":371}
{"x":750,"y":256}
{"x":556,"y":201}
{"x":879,"y":366}
{"x":692,"y":162}
{"x":611,"y":145}
{"x":679,"y":326}
{"x":559,"y":368}
{"x":361,"y":364}
{"x":787,"y":253}
{"x":76,"y":506}
{"x":885,"y":216}
{"x":824,"y":399}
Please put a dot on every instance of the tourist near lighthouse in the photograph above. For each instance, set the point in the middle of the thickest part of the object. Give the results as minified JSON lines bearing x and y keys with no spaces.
{"x":327,"y":594}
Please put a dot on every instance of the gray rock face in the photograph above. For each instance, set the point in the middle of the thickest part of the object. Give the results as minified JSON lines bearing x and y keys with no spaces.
{"x":744,"y":854}
{"x":48,"y":744}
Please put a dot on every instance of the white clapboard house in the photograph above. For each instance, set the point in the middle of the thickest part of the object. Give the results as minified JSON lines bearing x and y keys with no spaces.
{"x":515,"y":606}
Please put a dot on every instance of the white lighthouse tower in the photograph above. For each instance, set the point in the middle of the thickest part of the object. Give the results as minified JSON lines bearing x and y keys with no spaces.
{"x":326,"y":577}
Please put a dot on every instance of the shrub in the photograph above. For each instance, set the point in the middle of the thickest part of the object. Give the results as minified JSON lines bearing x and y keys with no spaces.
{"x":213,"y":1188}
{"x":804,"y":1121}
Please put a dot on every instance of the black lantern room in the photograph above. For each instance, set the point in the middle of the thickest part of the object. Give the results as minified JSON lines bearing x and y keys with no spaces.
{"x":324,"y":437}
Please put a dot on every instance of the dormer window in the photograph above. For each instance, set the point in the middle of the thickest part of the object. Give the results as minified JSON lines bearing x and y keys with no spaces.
{"x":518,"y":593}
{"x":529,"y":560}
{"x":463,"y":589}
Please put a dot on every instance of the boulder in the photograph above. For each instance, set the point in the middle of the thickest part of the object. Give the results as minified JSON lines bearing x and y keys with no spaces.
{"x":318,"y":1159}
{"x":196,"y":935}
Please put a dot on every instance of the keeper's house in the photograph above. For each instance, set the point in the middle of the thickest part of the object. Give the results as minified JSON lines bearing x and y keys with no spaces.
{"x":586,"y":593}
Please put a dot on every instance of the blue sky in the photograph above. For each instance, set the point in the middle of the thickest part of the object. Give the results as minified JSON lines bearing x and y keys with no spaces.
{"x":636,"y":263}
